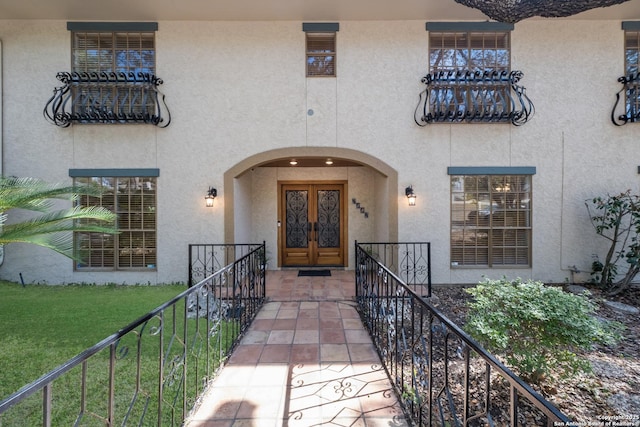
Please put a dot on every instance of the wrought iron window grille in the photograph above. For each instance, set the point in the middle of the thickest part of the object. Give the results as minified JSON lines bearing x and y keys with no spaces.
{"x":107,"y":97}
{"x":473,"y":96}
{"x":631,"y":97}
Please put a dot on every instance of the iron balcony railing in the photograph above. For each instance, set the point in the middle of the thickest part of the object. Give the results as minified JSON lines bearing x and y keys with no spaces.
{"x":629,"y":94}
{"x":152,"y":371}
{"x":468,"y":96}
{"x":111,"y":98}
{"x":443,"y":377}
{"x":207,"y":258}
{"x":411,"y":261}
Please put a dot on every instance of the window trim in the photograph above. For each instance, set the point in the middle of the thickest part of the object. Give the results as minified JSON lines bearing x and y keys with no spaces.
{"x":118,"y":173}
{"x":631,"y":25}
{"x":112,"y":26}
{"x":468,"y":26}
{"x":491,"y":170}
{"x":320,"y":27}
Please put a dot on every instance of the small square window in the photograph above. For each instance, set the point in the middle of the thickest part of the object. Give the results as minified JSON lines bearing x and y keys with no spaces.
{"x":321,"y":54}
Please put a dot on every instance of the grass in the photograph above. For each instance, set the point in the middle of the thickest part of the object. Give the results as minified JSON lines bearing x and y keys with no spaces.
{"x":41,"y":327}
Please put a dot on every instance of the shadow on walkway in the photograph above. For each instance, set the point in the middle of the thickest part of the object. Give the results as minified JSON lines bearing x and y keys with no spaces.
{"x":305,"y":361}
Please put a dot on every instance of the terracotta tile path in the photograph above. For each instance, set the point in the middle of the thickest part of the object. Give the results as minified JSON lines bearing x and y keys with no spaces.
{"x":305,"y":361}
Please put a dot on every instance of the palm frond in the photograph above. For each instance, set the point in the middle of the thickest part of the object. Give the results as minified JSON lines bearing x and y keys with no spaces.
{"x":60,"y":221}
{"x":37,"y":195}
{"x":51,"y":229}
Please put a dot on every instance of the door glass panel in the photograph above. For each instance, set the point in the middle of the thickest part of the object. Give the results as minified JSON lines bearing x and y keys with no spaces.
{"x":328,"y":218}
{"x":297,"y":218}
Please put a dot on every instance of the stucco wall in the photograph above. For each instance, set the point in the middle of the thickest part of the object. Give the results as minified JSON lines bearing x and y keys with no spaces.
{"x":238,"y":89}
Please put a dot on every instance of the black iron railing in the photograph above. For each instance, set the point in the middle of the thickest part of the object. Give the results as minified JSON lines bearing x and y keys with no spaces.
{"x":630,"y":96}
{"x":207,"y":258}
{"x":466,"y":96}
{"x":152,"y":371}
{"x":443,"y":377}
{"x":111,"y":98}
{"x":411,"y":261}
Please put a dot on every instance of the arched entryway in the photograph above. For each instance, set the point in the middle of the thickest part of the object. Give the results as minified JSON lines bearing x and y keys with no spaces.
{"x":254,"y":211}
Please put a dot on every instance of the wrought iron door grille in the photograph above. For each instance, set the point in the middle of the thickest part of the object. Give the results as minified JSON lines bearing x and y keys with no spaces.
{"x":107,"y":97}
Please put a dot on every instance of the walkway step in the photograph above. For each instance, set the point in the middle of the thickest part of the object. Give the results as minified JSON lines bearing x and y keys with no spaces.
{"x":305,"y":361}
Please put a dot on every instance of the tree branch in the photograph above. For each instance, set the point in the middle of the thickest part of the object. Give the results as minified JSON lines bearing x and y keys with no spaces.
{"x":512,"y":11}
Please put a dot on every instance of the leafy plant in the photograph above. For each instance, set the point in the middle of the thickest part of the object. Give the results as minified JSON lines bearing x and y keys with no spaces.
{"x":52,"y":228}
{"x":617,"y":219}
{"x":537,"y":328}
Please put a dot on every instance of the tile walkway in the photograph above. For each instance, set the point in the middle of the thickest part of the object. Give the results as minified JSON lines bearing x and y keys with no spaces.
{"x":305,"y":361}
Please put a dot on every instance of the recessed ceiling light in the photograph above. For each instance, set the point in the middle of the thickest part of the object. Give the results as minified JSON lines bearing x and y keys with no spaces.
{"x":293,"y":162}
{"x":329,"y":162}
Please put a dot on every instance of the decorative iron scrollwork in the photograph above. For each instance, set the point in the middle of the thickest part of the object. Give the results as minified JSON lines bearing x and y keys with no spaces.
{"x":467,"y":96}
{"x":631,"y":88}
{"x":107,"y":98}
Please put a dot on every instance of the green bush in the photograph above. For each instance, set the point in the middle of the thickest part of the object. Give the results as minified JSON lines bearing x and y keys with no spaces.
{"x":537,"y":328}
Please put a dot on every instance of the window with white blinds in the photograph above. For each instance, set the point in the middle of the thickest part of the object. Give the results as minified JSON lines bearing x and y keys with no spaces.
{"x":491,"y":220}
{"x":321,"y":54}
{"x":133,"y":199}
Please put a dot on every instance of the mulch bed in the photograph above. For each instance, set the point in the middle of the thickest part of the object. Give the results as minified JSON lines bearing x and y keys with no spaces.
{"x":611,"y":390}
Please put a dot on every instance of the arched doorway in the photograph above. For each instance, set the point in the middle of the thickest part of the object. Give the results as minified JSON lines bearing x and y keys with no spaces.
{"x":254,"y":211}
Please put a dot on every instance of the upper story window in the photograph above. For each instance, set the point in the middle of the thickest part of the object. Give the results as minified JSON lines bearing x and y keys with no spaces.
{"x":470,"y":77}
{"x":120,"y":55}
{"x":469,"y":51}
{"x":112,"y":77}
{"x":320,"y":49}
{"x":119,"y":52}
{"x":631,"y":70}
{"x":491,"y":217}
{"x":131,"y":194}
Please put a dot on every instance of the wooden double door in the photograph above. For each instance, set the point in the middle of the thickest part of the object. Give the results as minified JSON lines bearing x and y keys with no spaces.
{"x":313,"y":223}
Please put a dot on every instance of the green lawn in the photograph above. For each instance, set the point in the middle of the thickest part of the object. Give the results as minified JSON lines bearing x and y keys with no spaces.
{"x":43,"y":326}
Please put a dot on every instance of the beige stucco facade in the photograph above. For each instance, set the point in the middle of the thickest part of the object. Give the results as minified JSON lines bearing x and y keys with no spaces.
{"x":239,"y":98}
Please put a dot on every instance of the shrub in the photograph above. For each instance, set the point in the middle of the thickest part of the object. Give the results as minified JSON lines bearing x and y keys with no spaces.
{"x":537,"y":328}
{"x":617,"y":219}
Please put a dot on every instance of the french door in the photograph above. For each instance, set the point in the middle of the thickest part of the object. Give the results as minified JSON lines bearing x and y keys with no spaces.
{"x":312,"y":224}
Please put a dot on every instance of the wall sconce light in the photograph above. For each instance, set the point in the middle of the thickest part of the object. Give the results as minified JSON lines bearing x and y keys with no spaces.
{"x":410,"y":195}
{"x":211,"y":194}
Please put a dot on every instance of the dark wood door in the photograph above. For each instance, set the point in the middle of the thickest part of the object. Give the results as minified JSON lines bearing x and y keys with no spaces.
{"x":313,"y":224}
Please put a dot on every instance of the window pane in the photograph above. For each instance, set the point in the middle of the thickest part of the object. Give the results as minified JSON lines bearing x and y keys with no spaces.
{"x":119,"y":52}
{"x":632,"y":59}
{"x":474,"y":51}
{"x":321,"y":56}
{"x":134,"y":202}
{"x":490,"y":220}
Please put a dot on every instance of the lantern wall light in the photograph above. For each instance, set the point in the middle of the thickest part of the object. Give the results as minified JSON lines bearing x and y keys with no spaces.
{"x":211,"y":195}
{"x":411,"y":196}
